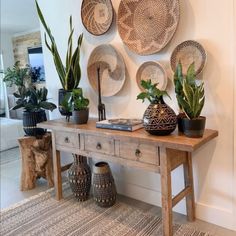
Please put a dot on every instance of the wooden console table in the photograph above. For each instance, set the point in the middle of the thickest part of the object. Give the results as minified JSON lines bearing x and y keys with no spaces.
{"x":160,"y":154}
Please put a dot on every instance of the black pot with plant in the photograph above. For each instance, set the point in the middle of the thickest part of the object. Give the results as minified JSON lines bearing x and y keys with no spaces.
{"x":70,"y":72}
{"x":159,"y":118}
{"x":76,"y":103}
{"x":34,"y":102}
{"x":192,"y":103}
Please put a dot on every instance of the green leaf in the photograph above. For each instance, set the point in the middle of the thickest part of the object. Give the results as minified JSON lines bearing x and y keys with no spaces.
{"x":190,"y":77}
{"x":47,"y":105}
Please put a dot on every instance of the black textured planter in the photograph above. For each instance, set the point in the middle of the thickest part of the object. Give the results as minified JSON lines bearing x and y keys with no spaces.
{"x":104,"y":189}
{"x":31,"y":119}
{"x":194,"y":128}
{"x":81,"y":116}
{"x":180,"y":118}
{"x":61,"y":95}
{"x":159,"y":118}
{"x":79,"y":176}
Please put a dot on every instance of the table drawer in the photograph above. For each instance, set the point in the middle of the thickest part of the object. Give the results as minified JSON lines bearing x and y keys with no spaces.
{"x":140,"y":151}
{"x":67,"y":139}
{"x":99,"y":144}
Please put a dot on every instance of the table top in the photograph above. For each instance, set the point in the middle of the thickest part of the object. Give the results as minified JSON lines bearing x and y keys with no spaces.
{"x":175,"y":140}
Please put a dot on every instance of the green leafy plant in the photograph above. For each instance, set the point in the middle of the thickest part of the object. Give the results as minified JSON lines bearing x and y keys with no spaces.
{"x":75,"y":100}
{"x":178,"y":81}
{"x":190,"y":96}
{"x":16,"y":75}
{"x":152,"y":93}
{"x":70,"y":73}
{"x":32,"y":99}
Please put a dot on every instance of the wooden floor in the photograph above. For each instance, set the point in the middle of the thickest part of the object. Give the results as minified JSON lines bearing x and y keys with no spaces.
{"x":10,"y":194}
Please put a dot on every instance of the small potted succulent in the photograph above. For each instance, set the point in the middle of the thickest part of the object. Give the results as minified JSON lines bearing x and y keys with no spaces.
{"x":76,"y":103}
{"x":69,"y":72}
{"x":192,"y":103}
{"x":159,"y":118}
{"x":34,"y":102}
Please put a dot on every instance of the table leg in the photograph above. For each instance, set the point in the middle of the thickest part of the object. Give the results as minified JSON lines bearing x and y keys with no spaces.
{"x":166,"y":192}
{"x":57,"y":170}
{"x":188,"y":179}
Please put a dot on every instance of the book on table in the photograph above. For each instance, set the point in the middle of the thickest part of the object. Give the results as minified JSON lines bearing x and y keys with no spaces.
{"x":120,"y":124}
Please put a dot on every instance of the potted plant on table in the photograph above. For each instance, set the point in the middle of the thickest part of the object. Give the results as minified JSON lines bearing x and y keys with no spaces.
{"x":192,"y":103}
{"x":76,"y":103}
{"x":69,"y":72}
{"x":34,"y":102}
{"x":159,"y":118}
{"x":190,"y":78}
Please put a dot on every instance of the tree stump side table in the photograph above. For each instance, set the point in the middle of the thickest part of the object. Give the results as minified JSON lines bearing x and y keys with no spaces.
{"x":36,"y":156}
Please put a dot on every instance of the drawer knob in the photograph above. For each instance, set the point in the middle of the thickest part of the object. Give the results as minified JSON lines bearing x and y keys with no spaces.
{"x":138,"y":153}
{"x":99,"y":146}
{"x":67,"y":140}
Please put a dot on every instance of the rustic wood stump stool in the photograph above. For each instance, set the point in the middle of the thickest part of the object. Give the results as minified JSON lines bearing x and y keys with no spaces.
{"x":36,"y":155}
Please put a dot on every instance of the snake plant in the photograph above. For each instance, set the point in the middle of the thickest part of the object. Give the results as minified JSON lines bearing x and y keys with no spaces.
{"x":70,"y":73}
{"x":190,"y":96}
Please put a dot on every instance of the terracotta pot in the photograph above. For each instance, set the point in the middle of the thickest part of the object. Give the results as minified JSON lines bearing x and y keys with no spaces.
{"x":79,"y":176}
{"x":159,"y":118}
{"x":104,"y":189}
{"x":30,"y":121}
{"x":194,"y":128}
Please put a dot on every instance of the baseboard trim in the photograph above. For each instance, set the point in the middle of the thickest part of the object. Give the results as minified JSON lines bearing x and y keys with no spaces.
{"x":212,"y":214}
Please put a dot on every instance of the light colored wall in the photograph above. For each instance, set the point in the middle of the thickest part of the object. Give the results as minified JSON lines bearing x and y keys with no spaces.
{"x":211,"y":23}
{"x":7,"y":49}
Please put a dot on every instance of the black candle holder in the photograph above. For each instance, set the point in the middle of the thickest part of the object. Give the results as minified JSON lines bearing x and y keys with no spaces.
{"x":101,"y":106}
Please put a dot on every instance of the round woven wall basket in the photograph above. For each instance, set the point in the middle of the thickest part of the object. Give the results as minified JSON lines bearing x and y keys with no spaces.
{"x":97,"y":16}
{"x":146,"y":26}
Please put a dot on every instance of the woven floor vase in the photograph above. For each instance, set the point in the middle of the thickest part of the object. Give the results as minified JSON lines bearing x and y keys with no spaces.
{"x":79,"y":176}
{"x":104,"y":189}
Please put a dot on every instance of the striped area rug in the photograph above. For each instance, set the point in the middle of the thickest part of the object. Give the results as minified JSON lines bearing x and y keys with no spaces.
{"x":43,"y":215}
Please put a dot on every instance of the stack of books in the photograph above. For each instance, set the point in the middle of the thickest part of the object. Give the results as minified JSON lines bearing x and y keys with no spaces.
{"x":120,"y":124}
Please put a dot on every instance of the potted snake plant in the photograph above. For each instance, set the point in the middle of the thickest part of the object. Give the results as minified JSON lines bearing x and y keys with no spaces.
{"x":159,"y":118}
{"x":69,"y":72}
{"x":192,"y":103}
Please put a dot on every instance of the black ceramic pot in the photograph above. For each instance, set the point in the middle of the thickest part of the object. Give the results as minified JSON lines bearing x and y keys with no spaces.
{"x":180,"y":118}
{"x":104,"y":189}
{"x":194,"y":128}
{"x":79,"y":176}
{"x":81,"y":116}
{"x":31,"y":119}
{"x":159,"y":118}
{"x":61,"y":95}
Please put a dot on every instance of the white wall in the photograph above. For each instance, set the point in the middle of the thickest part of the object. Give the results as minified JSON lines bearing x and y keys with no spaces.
{"x":7,"y":49}
{"x":211,"y":23}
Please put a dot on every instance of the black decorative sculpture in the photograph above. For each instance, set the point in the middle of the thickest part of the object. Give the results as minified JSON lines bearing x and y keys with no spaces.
{"x":101,"y":106}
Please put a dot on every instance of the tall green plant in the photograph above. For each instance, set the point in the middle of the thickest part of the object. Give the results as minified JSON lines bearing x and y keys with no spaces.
{"x":178,"y":81}
{"x":190,"y":96}
{"x":70,"y":73}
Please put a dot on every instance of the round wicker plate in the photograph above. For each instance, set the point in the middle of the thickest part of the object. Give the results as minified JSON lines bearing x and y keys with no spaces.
{"x":154,"y":71}
{"x":97,"y":16}
{"x":146,"y":26}
{"x":188,"y":52}
{"x":112,"y":70}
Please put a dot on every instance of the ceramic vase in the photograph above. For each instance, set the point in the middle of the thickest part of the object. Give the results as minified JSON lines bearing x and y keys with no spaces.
{"x":159,"y":118}
{"x":104,"y":189}
{"x":79,"y":176}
